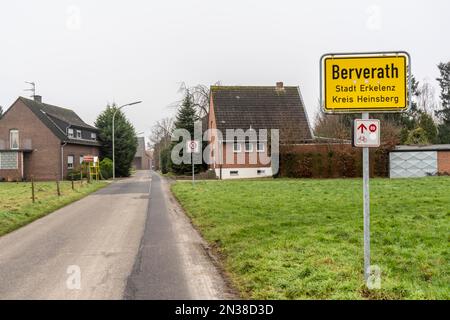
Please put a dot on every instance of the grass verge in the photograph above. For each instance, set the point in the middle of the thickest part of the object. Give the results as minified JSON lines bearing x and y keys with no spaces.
{"x":303,"y":239}
{"x":17,"y":209}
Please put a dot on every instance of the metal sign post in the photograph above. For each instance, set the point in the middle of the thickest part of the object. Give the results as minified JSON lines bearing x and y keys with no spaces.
{"x":193,"y":172}
{"x":192,"y":147}
{"x":366,"y":195}
{"x":366,"y":134}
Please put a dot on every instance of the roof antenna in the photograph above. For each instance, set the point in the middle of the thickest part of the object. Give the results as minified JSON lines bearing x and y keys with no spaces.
{"x":32,"y":89}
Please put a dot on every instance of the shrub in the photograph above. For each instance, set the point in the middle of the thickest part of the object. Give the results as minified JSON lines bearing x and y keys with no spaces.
{"x":106,"y":168}
{"x":165,"y":160}
{"x":417,"y":136}
{"x":305,"y":166}
{"x":73,"y":175}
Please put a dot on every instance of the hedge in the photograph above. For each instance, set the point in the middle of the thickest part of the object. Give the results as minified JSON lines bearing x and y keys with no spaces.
{"x":330,"y":161}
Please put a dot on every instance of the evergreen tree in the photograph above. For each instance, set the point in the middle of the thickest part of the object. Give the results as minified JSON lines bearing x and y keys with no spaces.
{"x":444,"y":113}
{"x":185,"y":119}
{"x":417,"y":136}
{"x":125,"y":142}
{"x":426,"y":122}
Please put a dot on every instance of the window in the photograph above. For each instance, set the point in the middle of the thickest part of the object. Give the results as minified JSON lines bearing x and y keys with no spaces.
{"x":70,"y":133}
{"x":78,"y":134}
{"x":236,"y":147}
{"x":248,"y":147}
{"x":93,"y":136}
{"x":14,"y":139}
{"x":69,"y":162}
{"x":234,"y":173}
{"x":260,"y":147}
{"x":81,"y":159}
{"x":9,"y":160}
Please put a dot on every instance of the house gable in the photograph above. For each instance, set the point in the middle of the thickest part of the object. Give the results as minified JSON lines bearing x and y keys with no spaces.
{"x":20,"y":117}
{"x":261,"y":107}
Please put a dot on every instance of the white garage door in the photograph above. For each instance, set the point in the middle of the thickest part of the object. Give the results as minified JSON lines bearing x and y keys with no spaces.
{"x":412,"y":164}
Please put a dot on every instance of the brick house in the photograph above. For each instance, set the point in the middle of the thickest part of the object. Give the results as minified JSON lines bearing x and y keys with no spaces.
{"x":253,"y":108}
{"x":43,"y":141}
{"x":142,"y":158}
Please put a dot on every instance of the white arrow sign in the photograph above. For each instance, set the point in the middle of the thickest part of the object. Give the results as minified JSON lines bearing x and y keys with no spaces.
{"x":366,"y":133}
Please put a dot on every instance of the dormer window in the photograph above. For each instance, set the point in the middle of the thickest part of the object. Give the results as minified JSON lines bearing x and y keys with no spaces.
{"x":78,"y":134}
{"x":70,"y":133}
{"x":93,"y":136}
{"x":14,"y":139}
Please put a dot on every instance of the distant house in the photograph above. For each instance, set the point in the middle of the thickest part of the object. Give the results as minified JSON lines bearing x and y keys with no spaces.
{"x":43,"y":141}
{"x":254,"y":108}
{"x":142,"y":158}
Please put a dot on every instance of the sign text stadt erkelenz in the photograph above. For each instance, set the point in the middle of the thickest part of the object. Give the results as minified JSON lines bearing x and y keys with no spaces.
{"x":352,"y":83}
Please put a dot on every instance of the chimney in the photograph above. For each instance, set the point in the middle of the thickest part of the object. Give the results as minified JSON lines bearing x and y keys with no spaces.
{"x":37,"y":98}
{"x":280,"y":86}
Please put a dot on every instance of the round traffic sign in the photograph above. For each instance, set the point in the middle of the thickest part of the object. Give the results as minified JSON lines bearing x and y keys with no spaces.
{"x":193,"y":145}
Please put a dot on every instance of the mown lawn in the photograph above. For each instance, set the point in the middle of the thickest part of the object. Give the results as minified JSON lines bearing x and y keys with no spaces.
{"x":303,"y":239}
{"x":17,"y":209}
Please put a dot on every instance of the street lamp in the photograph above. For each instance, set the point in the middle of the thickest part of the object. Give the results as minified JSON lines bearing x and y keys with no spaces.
{"x":113,"y":134}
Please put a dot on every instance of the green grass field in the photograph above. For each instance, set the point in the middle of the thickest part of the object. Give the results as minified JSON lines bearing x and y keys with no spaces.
{"x":303,"y":239}
{"x":17,"y":209}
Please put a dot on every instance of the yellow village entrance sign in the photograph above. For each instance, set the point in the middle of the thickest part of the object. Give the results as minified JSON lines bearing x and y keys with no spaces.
{"x":367,"y":82}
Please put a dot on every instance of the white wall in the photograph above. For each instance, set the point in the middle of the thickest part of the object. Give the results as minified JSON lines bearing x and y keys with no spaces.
{"x":244,"y":173}
{"x":412,"y":164}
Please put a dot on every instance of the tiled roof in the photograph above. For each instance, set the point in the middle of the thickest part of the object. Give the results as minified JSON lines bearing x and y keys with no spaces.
{"x":66,"y":115}
{"x":50,"y":115}
{"x":262,"y":107}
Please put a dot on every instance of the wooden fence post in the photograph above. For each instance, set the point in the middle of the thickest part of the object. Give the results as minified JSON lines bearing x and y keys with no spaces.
{"x":32,"y":188}
{"x":57,"y":188}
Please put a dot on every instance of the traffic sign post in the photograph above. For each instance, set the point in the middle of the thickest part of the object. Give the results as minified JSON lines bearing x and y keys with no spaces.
{"x":366,"y":134}
{"x":366,"y":214}
{"x":365,"y":82}
{"x":192,"y":147}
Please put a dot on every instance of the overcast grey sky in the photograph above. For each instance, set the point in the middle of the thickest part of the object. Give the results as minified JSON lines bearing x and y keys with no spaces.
{"x":83,"y":54}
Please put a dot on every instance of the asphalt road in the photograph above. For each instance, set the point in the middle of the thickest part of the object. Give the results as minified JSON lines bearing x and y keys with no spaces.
{"x":97,"y":238}
{"x":114,"y":244}
{"x":173,"y":260}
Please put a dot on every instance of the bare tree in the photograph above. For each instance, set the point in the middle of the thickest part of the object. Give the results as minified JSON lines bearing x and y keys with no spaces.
{"x":200,"y":95}
{"x":426,"y":98}
{"x":160,"y":138}
{"x":162,"y":131}
{"x":332,"y":126}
